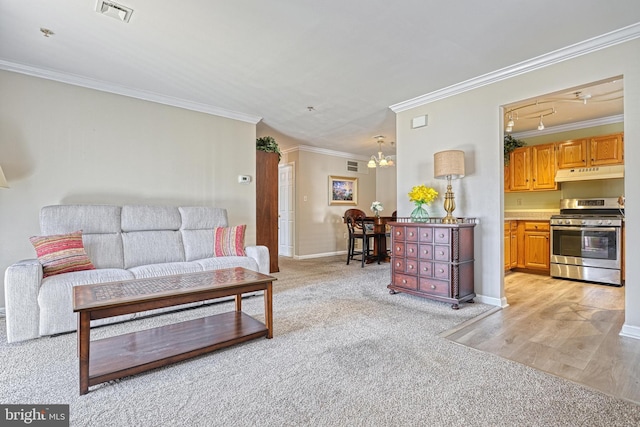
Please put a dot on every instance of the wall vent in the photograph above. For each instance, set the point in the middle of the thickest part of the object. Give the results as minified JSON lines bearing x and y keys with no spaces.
{"x":114,"y":10}
{"x":357,"y":166}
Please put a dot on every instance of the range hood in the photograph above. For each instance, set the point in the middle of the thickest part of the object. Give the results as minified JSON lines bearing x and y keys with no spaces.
{"x":587,"y":174}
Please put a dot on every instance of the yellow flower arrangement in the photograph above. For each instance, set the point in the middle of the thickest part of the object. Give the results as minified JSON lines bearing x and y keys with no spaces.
{"x":421,"y":195}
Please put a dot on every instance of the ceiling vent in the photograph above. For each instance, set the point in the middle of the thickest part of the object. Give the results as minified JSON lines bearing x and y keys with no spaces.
{"x":114,"y":10}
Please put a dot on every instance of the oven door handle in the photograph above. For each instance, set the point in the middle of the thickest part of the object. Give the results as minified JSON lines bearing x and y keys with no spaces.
{"x":580,"y":228}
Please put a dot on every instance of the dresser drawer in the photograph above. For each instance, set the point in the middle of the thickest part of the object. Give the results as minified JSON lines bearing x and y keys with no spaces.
{"x":425,"y":235}
{"x":405,"y":281}
{"x":411,"y":250}
{"x":398,"y":249}
{"x":425,"y":252}
{"x":442,"y":253}
{"x":441,"y":271}
{"x":411,"y":234}
{"x":398,"y":233}
{"x":426,"y":269}
{"x":441,"y":235}
{"x":434,"y":287}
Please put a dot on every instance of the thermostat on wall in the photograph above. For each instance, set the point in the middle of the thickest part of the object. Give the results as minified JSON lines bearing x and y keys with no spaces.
{"x":244,"y":179}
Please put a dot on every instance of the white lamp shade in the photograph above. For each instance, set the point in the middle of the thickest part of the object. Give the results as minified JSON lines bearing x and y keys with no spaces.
{"x":3,"y":181}
{"x":448,"y":164}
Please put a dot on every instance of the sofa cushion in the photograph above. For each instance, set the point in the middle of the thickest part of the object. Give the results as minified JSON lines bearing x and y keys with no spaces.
{"x":104,"y":250}
{"x":91,"y":219}
{"x":152,"y":247}
{"x":149,"y":218}
{"x":198,"y":244}
{"x":56,"y":298}
{"x":228,"y":262}
{"x":61,"y":253}
{"x":202,"y":217}
{"x":165,"y":269}
{"x":229,"y":241}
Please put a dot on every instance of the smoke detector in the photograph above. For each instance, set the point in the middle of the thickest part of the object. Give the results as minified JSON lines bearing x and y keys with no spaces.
{"x":114,"y":10}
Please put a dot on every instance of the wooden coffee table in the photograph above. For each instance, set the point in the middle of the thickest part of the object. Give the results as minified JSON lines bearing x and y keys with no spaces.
{"x":116,"y":357}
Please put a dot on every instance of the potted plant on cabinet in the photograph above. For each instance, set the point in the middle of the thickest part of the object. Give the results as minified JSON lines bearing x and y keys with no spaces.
{"x":269,"y":145}
{"x":510,"y":144}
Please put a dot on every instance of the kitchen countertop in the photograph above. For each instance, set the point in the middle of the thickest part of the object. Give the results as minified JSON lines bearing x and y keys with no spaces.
{"x":538,"y":215}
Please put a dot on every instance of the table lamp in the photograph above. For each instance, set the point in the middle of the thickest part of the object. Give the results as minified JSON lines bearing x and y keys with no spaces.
{"x":449,"y":165}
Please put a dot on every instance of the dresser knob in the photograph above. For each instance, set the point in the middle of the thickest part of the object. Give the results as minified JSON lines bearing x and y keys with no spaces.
{"x":397,"y":233}
{"x":397,"y":264}
{"x":411,"y":234}
{"x":411,"y":267}
{"x":411,"y":250}
{"x":441,"y":271}
{"x":441,"y":252}
{"x":426,"y":252}
{"x":442,"y":235}
{"x":426,"y":269}
{"x":404,"y":282}
{"x":433,"y":286}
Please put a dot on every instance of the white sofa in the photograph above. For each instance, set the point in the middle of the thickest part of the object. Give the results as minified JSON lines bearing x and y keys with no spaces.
{"x":122,"y":242}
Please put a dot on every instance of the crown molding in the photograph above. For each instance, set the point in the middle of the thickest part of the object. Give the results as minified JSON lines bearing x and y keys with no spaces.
{"x":570,"y":126}
{"x":103,"y":86}
{"x":325,"y":152}
{"x":604,"y":41}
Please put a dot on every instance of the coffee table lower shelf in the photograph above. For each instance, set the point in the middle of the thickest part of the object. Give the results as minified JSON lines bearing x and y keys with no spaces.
{"x":129,"y":354}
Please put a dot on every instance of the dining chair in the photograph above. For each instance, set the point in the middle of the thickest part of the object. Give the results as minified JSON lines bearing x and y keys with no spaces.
{"x":359,"y":229}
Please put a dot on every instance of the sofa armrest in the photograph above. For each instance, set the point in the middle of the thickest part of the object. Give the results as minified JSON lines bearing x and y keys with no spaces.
{"x":21,"y":286}
{"x":261,"y":255}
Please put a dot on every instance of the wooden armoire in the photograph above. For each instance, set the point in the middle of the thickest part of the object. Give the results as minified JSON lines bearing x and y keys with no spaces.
{"x":267,"y":205}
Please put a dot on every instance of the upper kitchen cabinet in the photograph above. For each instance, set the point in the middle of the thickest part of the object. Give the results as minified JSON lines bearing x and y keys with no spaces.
{"x":532,"y":168}
{"x":594,"y":151}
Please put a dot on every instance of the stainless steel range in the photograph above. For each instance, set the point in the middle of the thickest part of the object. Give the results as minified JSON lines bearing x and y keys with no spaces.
{"x":585,"y":240}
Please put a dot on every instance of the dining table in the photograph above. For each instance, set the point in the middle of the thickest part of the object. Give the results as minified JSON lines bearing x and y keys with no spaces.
{"x":380,"y":251}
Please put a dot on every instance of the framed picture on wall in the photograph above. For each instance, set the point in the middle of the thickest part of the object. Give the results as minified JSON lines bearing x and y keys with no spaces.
{"x":343,"y":190}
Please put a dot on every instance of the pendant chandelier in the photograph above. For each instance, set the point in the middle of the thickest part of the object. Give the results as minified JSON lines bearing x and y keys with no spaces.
{"x":380,"y":160}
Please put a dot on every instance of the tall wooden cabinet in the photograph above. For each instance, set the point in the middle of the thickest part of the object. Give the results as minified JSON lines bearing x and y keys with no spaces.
{"x":267,"y":205}
{"x":433,"y":261}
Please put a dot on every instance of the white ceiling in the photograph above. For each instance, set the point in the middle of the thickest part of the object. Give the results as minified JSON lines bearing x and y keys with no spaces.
{"x":251,"y":59}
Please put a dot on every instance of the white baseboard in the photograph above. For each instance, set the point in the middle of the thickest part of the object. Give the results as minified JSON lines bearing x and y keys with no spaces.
{"x":322,"y":255}
{"x":630,"y":331}
{"x":499,"y":302}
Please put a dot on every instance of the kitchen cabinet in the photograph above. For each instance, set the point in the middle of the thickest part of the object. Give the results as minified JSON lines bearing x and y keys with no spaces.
{"x":510,"y":245}
{"x":536,"y":246}
{"x":593,"y":151}
{"x":532,"y":168}
{"x":433,"y":260}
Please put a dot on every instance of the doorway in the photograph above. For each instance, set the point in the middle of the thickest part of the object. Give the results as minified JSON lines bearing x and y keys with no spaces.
{"x":286,"y":209}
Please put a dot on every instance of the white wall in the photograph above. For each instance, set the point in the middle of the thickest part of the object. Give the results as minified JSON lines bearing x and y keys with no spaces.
{"x":472,"y":121}
{"x":66,"y":144}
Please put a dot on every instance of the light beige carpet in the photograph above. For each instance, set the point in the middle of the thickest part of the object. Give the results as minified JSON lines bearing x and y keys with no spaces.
{"x":345,"y":353}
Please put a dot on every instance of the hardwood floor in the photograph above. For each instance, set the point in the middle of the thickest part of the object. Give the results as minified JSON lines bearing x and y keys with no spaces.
{"x":566,"y":328}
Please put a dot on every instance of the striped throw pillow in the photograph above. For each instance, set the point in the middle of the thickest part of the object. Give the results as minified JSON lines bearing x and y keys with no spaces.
{"x":61,"y":253}
{"x":229,"y":241}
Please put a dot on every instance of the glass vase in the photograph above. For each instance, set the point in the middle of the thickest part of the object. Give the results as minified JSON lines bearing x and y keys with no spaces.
{"x":419,"y":214}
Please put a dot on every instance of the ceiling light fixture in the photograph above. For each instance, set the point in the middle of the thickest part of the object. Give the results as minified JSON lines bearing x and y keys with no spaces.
{"x":380,"y":160}
{"x":46,"y":32}
{"x":540,"y":124}
{"x":114,"y":10}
